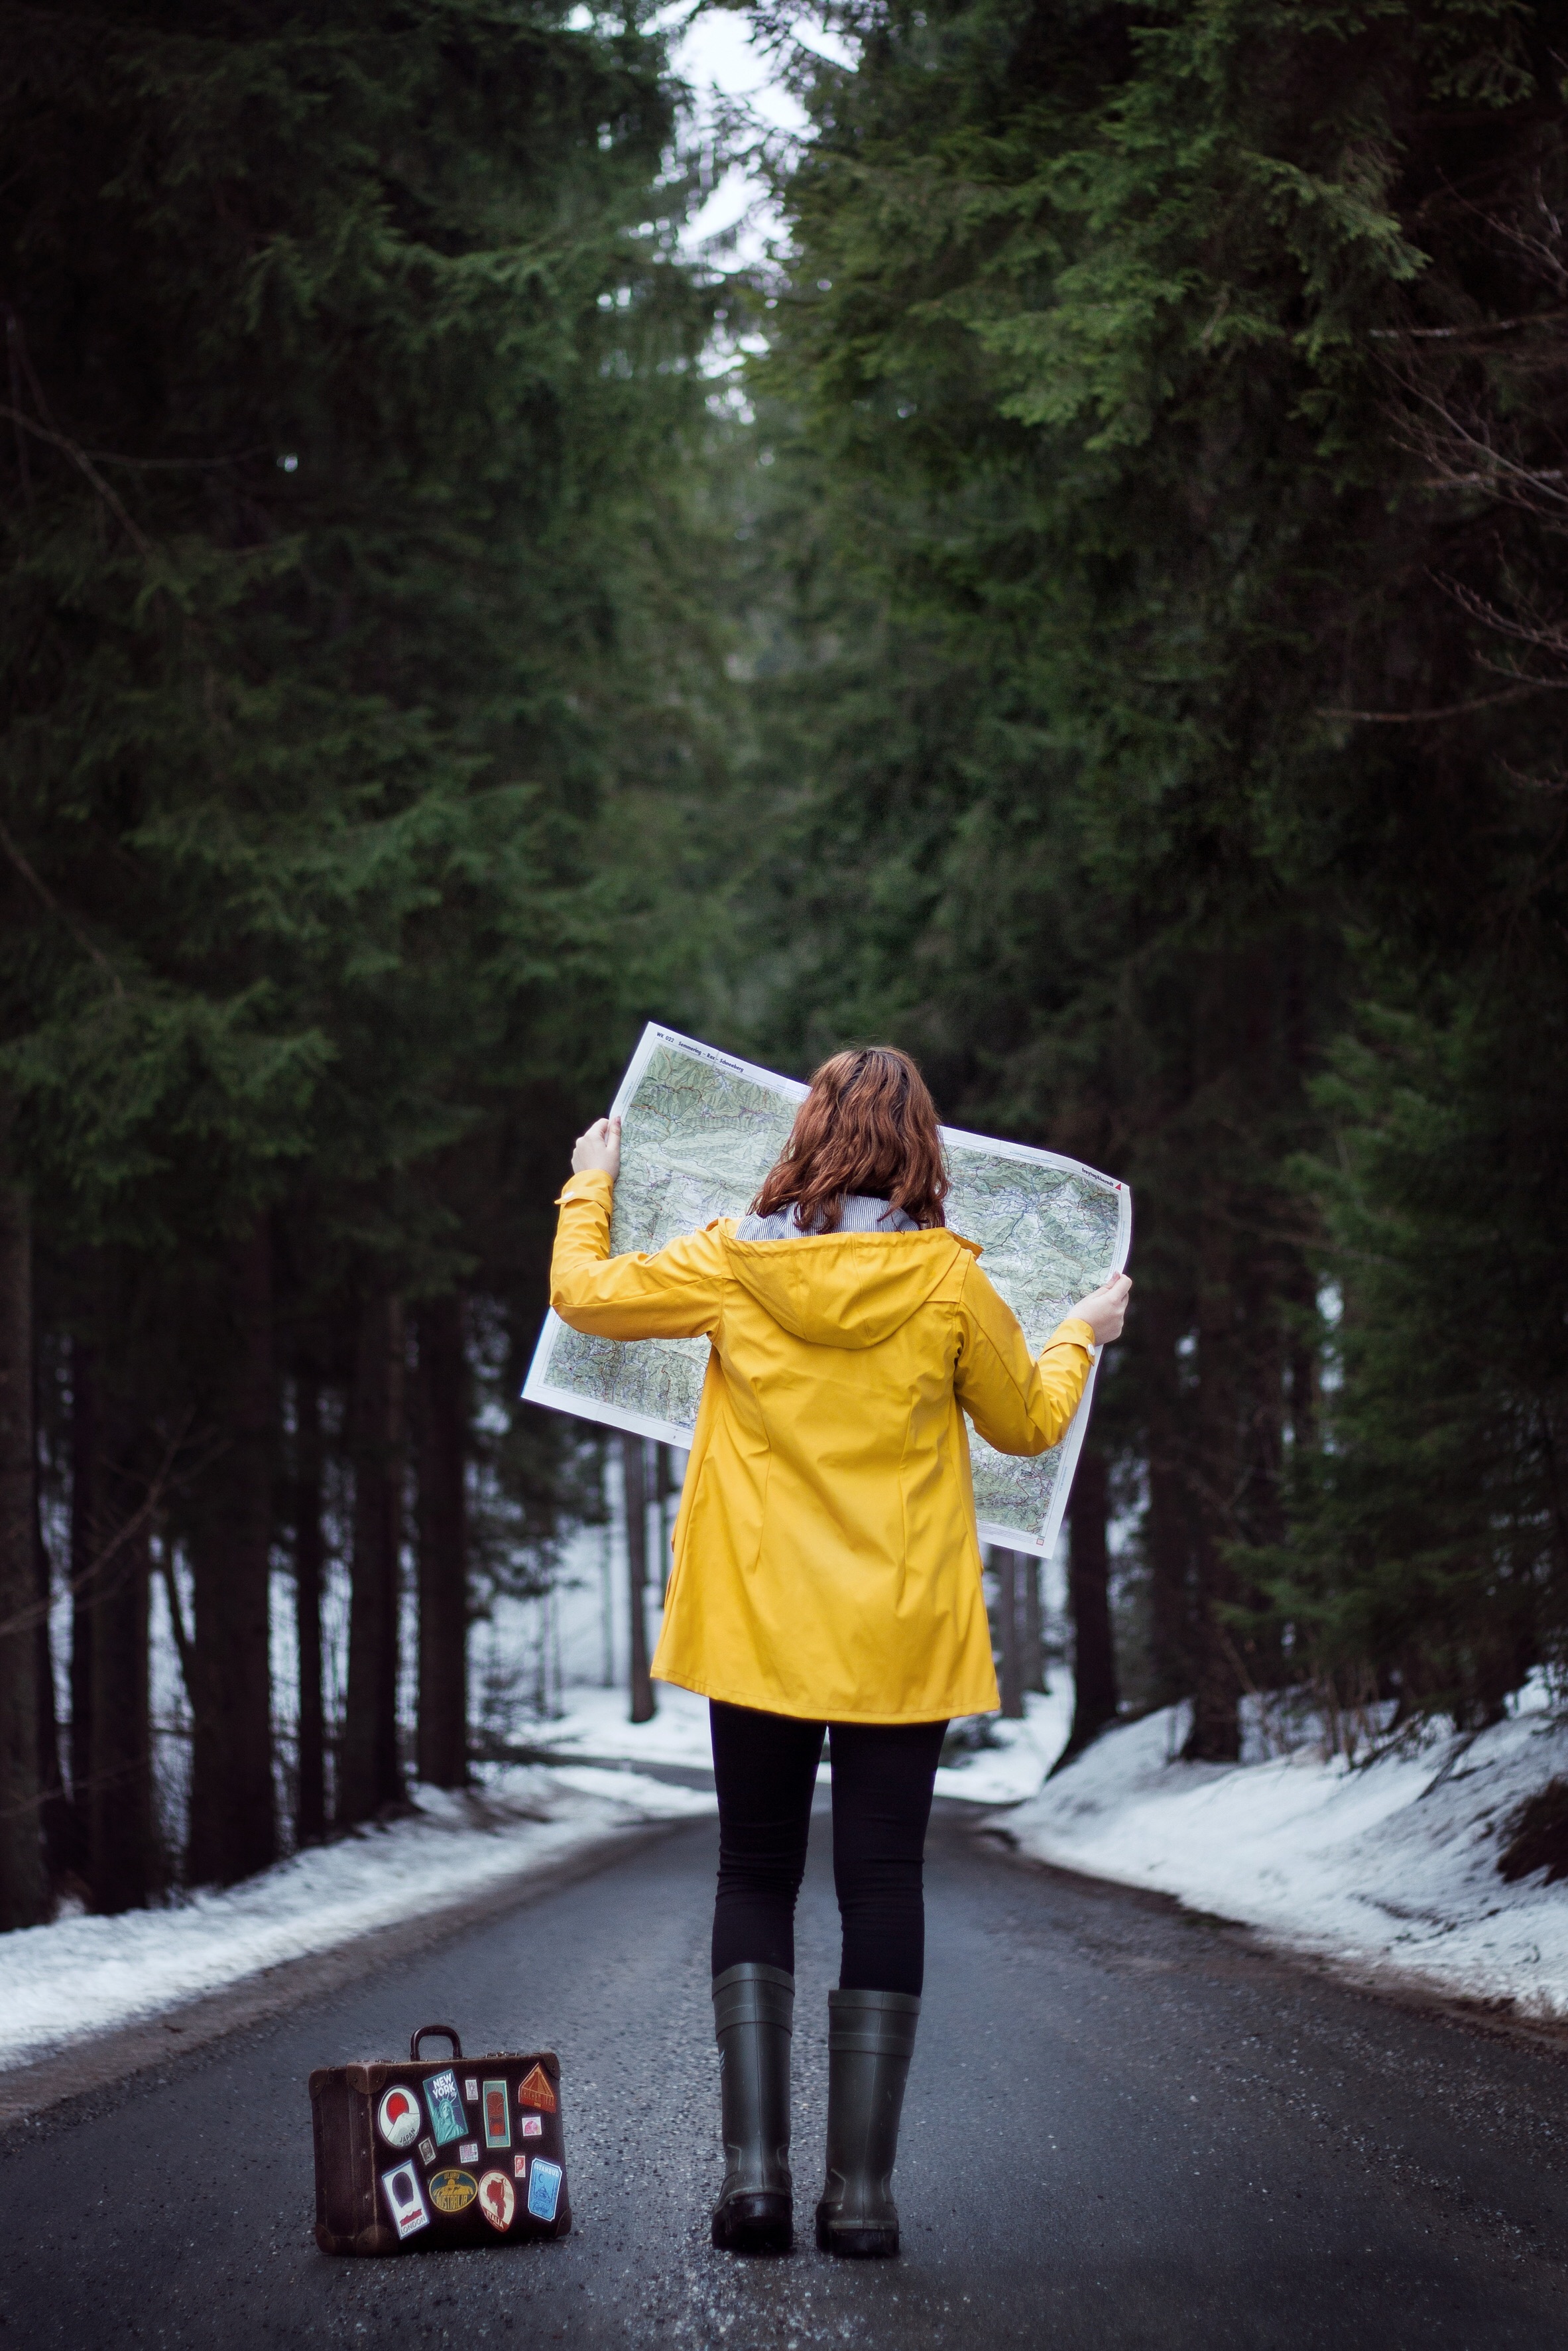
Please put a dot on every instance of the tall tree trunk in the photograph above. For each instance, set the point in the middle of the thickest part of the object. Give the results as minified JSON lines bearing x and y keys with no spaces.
{"x":120,"y":1852}
{"x":634,"y":1481}
{"x":1298,"y":1286}
{"x":369,"y":1774}
{"x":234,"y":1816}
{"x":62,"y":1851}
{"x":1261,"y":1501}
{"x":24,"y":1889}
{"x":1007,"y":1599}
{"x":442,"y":1544}
{"x":664,"y":1490}
{"x":1168,"y":1524}
{"x":87,"y":1533}
{"x":1095,"y":1696}
{"x":1216,"y":1733}
{"x":1033,"y":1628}
{"x":1301,"y":1368}
{"x":309,"y":1560}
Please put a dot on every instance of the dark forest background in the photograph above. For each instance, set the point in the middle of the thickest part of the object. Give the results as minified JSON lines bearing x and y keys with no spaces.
{"x":1091,"y":609}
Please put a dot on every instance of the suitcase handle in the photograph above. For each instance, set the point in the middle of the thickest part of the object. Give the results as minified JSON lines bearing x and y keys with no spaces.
{"x":446,"y":2033}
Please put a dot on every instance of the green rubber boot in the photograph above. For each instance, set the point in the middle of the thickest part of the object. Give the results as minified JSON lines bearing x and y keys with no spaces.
{"x":753,"y":2022}
{"x":871,"y":2041}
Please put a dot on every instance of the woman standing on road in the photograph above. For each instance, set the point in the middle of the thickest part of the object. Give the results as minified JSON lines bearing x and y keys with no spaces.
{"x":828,"y":1574}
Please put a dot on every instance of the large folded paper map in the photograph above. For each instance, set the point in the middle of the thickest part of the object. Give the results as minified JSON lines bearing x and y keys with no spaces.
{"x":700,"y":1130}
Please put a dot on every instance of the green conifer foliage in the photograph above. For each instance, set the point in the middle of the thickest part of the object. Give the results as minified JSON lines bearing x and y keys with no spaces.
{"x":1179,"y":392}
{"x":350,"y":379}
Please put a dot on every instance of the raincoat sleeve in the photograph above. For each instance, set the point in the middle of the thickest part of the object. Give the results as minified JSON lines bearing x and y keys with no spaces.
{"x":1018,"y":1404}
{"x":675,"y":1295}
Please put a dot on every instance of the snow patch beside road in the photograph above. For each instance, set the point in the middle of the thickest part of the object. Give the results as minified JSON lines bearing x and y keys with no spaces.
{"x":1389,"y":1867}
{"x":81,"y":1976}
{"x":596,"y":1724}
{"x":1012,"y":1765}
{"x":62,"y":1984}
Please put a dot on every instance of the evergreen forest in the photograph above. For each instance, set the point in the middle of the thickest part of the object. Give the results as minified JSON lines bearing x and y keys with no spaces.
{"x":1089,"y":607}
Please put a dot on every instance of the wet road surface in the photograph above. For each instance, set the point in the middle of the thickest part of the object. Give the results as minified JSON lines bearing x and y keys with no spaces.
{"x":1125,"y":2128}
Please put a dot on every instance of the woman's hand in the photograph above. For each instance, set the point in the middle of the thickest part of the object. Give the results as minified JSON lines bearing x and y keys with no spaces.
{"x":599,"y":1146}
{"x":1106,"y":1310}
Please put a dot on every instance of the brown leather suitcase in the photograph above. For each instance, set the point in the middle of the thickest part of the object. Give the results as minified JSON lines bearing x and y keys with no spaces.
{"x":434,"y":2155}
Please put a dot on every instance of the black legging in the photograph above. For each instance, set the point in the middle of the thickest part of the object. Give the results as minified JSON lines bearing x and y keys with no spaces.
{"x":765,"y":1768}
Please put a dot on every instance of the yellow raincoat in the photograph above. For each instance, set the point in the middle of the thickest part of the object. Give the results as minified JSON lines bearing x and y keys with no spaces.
{"x":826,"y":1563}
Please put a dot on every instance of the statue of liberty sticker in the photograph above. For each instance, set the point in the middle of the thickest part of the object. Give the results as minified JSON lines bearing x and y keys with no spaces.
{"x":447,"y":2120}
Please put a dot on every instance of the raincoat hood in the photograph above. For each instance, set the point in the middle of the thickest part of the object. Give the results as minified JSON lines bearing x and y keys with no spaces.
{"x":845,"y":1290}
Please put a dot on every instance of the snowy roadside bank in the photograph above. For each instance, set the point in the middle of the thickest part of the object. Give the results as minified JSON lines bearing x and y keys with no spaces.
{"x":595,"y":1725}
{"x":84,"y":1976}
{"x":1389,"y":1870}
{"x":1010,"y":1767}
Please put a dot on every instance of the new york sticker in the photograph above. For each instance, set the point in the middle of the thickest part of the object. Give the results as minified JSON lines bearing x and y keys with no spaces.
{"x":447,"y":2120}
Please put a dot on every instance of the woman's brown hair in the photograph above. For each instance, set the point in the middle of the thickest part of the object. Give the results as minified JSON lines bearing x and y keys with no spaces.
{"x":868,"y":1125}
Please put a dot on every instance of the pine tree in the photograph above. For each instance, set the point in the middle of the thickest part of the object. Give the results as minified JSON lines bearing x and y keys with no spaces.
{"x":1150,"y":380}
{"x":351,"y":385}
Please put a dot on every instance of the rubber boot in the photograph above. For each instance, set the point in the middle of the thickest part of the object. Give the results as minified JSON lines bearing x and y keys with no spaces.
{"x":871,"y":2041}
{"x":753,"y":2022}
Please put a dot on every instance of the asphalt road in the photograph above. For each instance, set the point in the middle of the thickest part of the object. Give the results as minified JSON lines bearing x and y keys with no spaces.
{"x":1124,"y":2128}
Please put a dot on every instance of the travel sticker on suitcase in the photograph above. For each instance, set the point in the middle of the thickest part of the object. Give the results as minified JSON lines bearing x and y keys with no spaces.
{"x":419,"y":2157}
{"x":447,"y":2120}
{"x":401,"y":2189}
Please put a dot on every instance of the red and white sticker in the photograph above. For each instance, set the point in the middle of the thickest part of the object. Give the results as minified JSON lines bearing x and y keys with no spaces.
{"x":531,"y":2126}
{"x":497,"y":2200}
{"x":519,"y":2166}
{"x":406,"y":2200}
{"x":398,"y":2117}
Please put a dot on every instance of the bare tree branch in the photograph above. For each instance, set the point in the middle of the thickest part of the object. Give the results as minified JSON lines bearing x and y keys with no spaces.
{"x":1451,"y":709}
{"x":36,"y":883}
{"x":79,"y":458}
